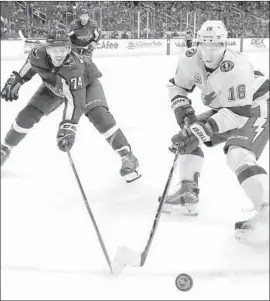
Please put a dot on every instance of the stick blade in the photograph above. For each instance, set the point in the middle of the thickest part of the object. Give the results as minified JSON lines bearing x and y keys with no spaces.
{"x":125,"y":256}
{"x":131,"y":257}
{"x":118,"y":263}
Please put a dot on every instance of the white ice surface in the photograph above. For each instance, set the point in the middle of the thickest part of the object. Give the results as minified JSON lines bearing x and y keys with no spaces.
{"x":49,"y":249}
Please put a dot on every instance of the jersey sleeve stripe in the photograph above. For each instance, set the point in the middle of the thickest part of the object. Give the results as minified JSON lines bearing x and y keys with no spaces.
{"x":96,"y":34}
{"x":186,"y":89}
{"x":263,"y":89}
{"x":70,"y":107}
{"x":25,"y":69}
{"x":242,"y":111}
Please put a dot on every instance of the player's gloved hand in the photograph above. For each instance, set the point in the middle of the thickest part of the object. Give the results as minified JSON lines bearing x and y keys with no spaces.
{"x":189,"y":114}
{"x":66,"y":135}
{"x":183,"y":110}
{"x":191,"y":137}
{"x":91,"y":46}
{"x":10,"y":91}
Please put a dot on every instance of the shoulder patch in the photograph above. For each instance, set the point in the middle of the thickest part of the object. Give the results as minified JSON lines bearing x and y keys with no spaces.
{"x":226,"y":66}
{"x":190,"y":52}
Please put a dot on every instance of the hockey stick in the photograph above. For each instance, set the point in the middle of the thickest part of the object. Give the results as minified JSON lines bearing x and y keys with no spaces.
{"x":89,"y":211}
{"x":22,"y":37}
{"x":124,"y":255}
{"x":26,"y":40}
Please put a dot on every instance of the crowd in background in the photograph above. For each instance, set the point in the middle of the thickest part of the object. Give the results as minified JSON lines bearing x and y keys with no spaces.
{"x":133,"y":19}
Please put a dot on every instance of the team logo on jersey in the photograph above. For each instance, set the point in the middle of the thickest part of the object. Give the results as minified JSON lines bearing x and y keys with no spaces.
{"x":197,"y":79}
{"x":85,"y":36}
{"x":190,"y":52}
{"x":226,"y":66}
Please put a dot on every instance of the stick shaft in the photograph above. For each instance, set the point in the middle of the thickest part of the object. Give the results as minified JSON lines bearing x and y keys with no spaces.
{"x":158,"y":213}
{"x":89,"y":210}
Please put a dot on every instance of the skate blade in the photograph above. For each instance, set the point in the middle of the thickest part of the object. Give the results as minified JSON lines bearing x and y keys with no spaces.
{"x":177,"y":210}
{"x":260,"y":235}
{"x":131,"y":177}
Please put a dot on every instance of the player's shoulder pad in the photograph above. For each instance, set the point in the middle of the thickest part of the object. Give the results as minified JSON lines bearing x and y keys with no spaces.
{"x":190,"y":52}
{"x":235,"y":62}
{"x":185,"y":59}
{"x":74,"y":63}
{"x":37,"y":55}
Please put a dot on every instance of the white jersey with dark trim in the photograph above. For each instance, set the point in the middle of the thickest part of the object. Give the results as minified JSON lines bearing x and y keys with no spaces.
{"x":232,"y":85}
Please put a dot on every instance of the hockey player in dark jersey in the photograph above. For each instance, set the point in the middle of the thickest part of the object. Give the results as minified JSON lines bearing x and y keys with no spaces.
{"x":188,"y":38}
{"x":70,"y":79}
{"x":84,"y":34}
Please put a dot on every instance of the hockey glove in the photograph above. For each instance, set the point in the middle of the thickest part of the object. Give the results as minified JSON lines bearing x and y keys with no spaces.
{"x":92,"y":46}
{"x":183,"y":110}
{"x":191,"y":137}
{"x":66,"y":135}
{"x":12,"y":86}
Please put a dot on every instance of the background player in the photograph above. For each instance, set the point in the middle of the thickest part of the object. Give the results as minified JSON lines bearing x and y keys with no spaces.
{"x":238,"y":97}
{"x":84,"y":34}
{"x":69,"y":78}
{"x":188,"y":38}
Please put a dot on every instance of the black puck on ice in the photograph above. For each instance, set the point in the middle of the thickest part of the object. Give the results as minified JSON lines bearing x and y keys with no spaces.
{"x":184,"y":282}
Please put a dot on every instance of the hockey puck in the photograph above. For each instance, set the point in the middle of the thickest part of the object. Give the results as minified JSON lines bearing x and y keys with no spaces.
{"x":184,"y":282}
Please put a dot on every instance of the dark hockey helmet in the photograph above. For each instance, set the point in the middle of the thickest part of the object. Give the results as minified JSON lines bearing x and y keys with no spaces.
{"x":58,"y":37}
{"x":83,"y":11}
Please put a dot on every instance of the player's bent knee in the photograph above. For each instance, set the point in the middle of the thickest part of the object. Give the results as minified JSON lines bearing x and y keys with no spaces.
{"x":28,"y":117}
{"x":101,"y":118}
{"x":239,"y":157}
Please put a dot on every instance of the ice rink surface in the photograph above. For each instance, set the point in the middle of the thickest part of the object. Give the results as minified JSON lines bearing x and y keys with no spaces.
{"x":49,"y":249}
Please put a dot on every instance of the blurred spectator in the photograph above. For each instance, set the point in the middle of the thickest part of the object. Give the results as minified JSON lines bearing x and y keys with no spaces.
{"x":157,"y":19}
{"x":114,"y":35}
{"x":124,"y":35}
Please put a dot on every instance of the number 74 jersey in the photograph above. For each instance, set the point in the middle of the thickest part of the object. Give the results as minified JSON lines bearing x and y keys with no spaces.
{"x":233,"y":85}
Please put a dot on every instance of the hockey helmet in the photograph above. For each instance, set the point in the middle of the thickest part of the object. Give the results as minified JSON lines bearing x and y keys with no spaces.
{"x":58,"y":37}
{"x":212,"y":31}
{"x":84,"y":11}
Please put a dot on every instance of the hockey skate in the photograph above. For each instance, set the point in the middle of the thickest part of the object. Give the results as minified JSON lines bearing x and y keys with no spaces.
{"x":256,"y":228}
{"x":184,"y":200}
{"x":129,"y":169}
{"x":5,"y":151}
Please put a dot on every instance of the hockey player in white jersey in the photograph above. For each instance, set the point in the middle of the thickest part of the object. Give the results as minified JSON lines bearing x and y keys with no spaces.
{"x":238,"y":98}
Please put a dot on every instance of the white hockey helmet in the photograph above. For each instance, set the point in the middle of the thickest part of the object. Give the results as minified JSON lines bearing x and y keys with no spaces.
{"x":212,"y":31}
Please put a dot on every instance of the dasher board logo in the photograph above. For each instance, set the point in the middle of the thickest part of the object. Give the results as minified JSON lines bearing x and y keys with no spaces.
{"x":180,"y":43}
{"x":258,"y":43}
{"x":184,"y":282}
{"x":226,"y":66}
{"x":142,"y":44}
{"x":230,"y":43}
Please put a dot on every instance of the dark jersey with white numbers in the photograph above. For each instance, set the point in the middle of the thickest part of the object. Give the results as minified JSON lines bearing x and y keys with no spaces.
{"x":68,"y":81}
